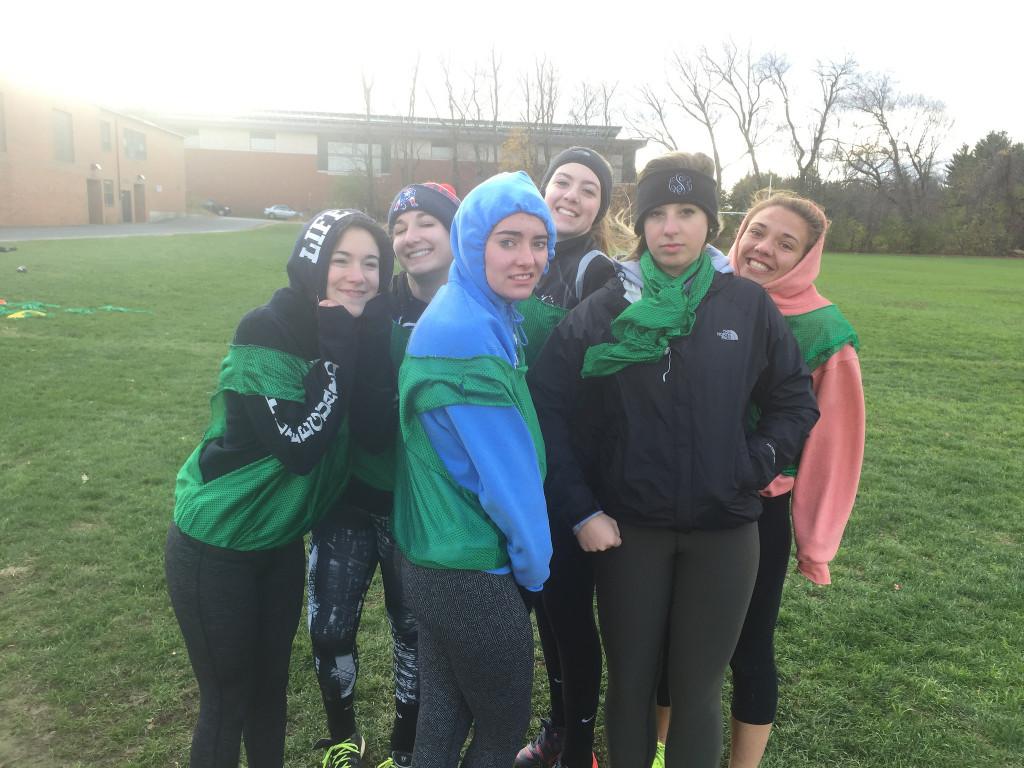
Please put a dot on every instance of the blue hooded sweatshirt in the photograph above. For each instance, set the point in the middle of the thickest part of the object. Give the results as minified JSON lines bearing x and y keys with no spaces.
{"x":488,"y":450}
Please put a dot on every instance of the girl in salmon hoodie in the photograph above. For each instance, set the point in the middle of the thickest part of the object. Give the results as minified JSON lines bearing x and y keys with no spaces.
{"x":779,"y":246}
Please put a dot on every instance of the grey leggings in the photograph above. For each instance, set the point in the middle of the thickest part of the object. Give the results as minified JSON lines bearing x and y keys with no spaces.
{"x":698,"y":585}
{"x":476,"y":666}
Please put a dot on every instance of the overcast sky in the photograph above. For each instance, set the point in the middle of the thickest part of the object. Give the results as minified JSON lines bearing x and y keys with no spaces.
{"x":227,"y":56}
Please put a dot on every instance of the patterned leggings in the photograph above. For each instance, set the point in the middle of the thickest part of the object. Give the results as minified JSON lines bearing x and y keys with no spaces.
{"x":345,"y":550}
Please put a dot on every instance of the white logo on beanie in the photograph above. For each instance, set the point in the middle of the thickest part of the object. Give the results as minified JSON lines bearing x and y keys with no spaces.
{"x":317,"y":231}
{"x":680,"y":184}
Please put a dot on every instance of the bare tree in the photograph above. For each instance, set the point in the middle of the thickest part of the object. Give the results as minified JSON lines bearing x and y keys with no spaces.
{"x":367,"y":102}
{"x":695,"y":96}
{"x":595,"y":105}
{"x":494,"y":94}
{"x":585,"y":106}
{"x":540,"y":92}
{"x":896,"y":150}
{"x":407,"y":144}
{"x":742,"y":89}
{"x":460,"y":106}
{"x":690,"y":87}
{"x":835,"y":78}
{"x":652,"y":120}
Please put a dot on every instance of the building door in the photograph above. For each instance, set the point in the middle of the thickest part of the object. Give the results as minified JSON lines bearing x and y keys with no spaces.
{"x":126,"y":206}
{"x":95,"y":194}
{"x":140,"y":202}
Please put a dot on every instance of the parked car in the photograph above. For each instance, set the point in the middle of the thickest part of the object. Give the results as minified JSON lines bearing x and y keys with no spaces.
{"x":281,"y":212}
{"x":219,"y":208}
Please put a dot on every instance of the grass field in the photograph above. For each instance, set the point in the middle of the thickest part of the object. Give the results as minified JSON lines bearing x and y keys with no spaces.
{"x":913,"y":657}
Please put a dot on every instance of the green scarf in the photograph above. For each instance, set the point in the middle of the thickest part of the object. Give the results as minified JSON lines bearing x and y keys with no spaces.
{"x":667,"y":309}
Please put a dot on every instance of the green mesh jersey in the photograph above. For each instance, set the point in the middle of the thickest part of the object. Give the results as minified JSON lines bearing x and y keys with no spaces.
{"x":539,"y":320}
{"x":378,"y":469}
{"x":261,"y":505}
{"x":437,"y":522}
{"x":819,"y":333}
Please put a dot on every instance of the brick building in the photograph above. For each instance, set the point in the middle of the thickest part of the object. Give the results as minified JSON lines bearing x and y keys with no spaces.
{"x":312,"y":160}
{"x":65,"y":162}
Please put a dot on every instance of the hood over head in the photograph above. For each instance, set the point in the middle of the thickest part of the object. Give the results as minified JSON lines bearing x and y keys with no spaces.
{"x":487,"y":204}
{"x":467,"y":318}
{"x":794,"y":293}
{"x":311,"y":256}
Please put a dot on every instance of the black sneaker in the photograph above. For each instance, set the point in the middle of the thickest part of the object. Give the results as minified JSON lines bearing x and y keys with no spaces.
{"x":543,"y":750}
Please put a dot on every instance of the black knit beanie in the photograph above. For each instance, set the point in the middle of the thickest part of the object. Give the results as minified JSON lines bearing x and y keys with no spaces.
{"x":439,"y":200}
{"x":675,"y":185}
{"x":595,"y":162}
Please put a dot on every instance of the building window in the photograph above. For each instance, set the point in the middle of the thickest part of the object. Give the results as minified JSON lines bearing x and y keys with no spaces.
{"x":105,"y":142}
{"x":108,"y":193}
{"x":3,"y":126}
{"x":441,"y":150}
{"x":134,"y":144}
{"x":350,"y":157}
{"x":262,"y":141}
{"x":63,"y":137}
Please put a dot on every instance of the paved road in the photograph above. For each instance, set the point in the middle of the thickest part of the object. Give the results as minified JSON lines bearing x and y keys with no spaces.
{"x":184,"y":225}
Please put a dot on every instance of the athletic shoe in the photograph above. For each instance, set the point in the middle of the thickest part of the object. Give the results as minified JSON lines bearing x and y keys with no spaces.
{"x":558,"y":762}
{"x":659,"y":756}
{"x":398,"y":760}
{"x":543,"y":750}
{"x":345,"y":754}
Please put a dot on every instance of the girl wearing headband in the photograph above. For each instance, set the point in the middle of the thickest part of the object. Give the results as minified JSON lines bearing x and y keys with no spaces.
{"x":643,"y":407}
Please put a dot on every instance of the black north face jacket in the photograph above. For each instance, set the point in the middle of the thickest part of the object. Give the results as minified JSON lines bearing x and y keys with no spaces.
{"x":667,"y":443}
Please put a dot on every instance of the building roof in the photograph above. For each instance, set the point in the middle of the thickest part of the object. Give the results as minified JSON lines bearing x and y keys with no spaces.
{"x":397,"y":126}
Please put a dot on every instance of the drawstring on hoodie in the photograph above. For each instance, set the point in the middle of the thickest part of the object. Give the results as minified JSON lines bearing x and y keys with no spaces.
{"x":668,"y":354}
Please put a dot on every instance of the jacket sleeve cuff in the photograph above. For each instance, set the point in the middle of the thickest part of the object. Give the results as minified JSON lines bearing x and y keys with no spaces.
{"x":576,"y":528}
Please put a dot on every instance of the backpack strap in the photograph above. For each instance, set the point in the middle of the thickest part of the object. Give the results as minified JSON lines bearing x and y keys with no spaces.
{"x":581,"y":272}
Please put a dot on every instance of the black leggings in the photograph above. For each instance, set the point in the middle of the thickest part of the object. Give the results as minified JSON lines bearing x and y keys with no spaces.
{"x":344,"y":551}
{"x":698,"y":584}
{"x":572,"y":647}
{"x":238,"y":612}
{"x":755,"y":680}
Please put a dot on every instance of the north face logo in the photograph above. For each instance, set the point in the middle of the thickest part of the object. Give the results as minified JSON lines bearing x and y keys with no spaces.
{"x":728,"y":335}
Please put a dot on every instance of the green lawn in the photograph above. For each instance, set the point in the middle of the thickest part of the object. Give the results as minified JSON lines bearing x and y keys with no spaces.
{"x":913,"y":657}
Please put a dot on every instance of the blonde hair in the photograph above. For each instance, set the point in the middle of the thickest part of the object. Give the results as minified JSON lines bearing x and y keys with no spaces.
{"x":670,"y":161}
{"x":809,"y":211}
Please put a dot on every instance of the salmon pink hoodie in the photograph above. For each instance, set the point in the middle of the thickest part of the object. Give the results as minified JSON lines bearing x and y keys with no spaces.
{"x":825,"y":487}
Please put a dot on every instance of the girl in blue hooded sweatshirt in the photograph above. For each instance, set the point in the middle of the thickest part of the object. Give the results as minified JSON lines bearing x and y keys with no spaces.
{"x":470,"y":517}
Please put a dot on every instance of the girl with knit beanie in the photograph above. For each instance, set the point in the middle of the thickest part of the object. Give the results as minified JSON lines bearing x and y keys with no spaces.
{"x":642,"y":397}
{"x":779,"y":246}
{"x":470,"y":518}
{"x":347,"y":546}
{"x":577,"y":188}
{"x":304,"y":381}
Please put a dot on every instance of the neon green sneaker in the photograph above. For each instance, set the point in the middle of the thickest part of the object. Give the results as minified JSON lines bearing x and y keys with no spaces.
{"x":398,"y":760}
{"x":659,"y":756}
{"x":345,"y":754}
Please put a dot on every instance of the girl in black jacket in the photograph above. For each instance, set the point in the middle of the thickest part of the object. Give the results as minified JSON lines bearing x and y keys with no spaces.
{"x":645,"y":412}
{"x":577,"y":188}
